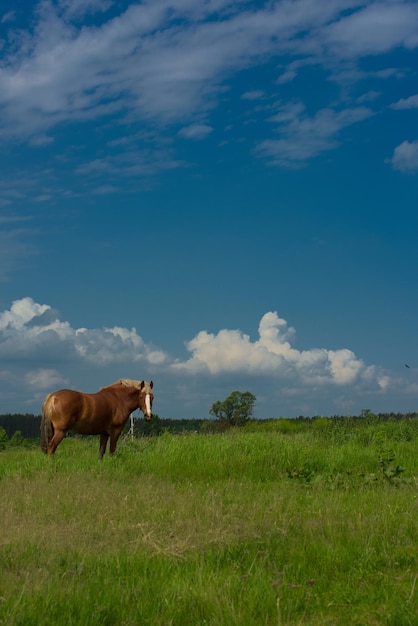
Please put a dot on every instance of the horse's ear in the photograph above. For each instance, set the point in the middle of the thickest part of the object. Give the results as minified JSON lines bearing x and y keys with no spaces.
{"x":142,"y":384}
{"x":151,"y":384}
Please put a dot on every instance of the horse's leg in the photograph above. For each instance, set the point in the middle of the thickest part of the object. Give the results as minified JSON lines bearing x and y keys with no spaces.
{"x":103,"y":444}
{"x":55,"y":441}
{"x":114,"y":436}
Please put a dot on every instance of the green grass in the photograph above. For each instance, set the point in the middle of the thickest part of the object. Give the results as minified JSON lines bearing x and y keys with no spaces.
{"x":304,"y":527}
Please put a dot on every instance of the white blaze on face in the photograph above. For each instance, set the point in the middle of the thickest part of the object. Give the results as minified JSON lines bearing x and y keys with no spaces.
{"x":148,"y":404}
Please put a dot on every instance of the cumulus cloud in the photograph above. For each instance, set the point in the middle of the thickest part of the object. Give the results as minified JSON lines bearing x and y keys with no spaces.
{"x":21,"y":312}
{"x":273,"y":354}
{"x":29,"y":329}
{"x":45,"y":352}
{"x":405,"y":157}
{"x":45,"y":378}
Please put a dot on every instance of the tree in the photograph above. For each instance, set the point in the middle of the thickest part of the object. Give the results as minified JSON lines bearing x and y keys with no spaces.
{"x":16,"y":439}
{"x":235,"y":410}
{"x":3,"y":438}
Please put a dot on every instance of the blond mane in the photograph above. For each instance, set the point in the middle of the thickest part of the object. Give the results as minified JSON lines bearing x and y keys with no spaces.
{"x":129,"y":382}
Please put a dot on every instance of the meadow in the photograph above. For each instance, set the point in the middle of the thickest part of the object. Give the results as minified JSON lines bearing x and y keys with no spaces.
{"x":273,"y":524}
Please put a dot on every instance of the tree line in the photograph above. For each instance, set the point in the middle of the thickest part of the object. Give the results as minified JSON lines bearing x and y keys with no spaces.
{"x":17,"y":428}
{"x":233,"y":412}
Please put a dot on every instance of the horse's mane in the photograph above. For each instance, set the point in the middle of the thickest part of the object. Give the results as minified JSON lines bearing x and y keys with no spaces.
{"x":128,"y":382}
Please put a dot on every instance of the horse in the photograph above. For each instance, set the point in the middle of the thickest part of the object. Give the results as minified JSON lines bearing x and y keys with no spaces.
{"x":104,"y":413}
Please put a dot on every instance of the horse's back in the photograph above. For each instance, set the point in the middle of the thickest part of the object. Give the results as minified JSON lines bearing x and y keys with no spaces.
{"x":67,"y":398}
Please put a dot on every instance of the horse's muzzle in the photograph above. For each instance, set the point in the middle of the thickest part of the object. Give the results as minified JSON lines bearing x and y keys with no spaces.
{"x":148,"y":418}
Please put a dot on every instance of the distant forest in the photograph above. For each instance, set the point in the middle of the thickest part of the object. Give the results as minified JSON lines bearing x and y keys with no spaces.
{"x":28,"y":425}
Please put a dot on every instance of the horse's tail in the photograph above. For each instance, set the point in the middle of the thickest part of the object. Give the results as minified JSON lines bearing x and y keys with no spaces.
{"x":47,"y":429}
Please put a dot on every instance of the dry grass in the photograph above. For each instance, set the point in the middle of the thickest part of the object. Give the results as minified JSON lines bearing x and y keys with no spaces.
{"x":151,"y":514}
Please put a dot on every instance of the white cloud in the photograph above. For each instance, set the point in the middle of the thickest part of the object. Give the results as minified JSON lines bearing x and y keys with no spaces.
{"x":29,"y":329}
{"x":272,"y":354}
{"x":253,"y":95}
{"x":303,"y":137}
{"x":169,"y":61}
{"x":405,"y":157}
{"x":46,"y":353}
{"x":103,"y":346}
{"x":374,"y":29}
{"x":196,"y":131}
{"x":384,"y":382}
{"x":32,"y":330}
{"x":287,"y":77}
{"x":41,"y":140}
{"x":344,"y":366}
{"x":44,"y":378}
{"x":20,"y":313}
{"x":10,"y":16}
{"x":406,"y":103}
{"x":129,"y":164}
{"x":164,"y":66}
{"x":75,"y":9}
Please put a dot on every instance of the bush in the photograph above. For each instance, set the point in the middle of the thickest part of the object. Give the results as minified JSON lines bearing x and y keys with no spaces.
{"x":3,"y":438}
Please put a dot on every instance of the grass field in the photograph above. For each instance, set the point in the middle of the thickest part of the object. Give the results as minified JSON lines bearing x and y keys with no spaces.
{"x":273,"y":525}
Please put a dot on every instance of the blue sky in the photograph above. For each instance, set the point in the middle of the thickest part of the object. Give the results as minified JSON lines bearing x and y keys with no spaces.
{"x":216,"y":195}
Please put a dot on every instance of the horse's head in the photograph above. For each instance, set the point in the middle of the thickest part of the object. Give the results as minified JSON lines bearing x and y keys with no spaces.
{"x":146,"y":398}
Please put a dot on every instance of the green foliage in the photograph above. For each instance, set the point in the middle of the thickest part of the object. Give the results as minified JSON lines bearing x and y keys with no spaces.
{"x":145,"y":428}
{"x":282,"y":425}
{"x":386,"y":457}
{"x":157,"y":426}
{"x":3,"y":438}
{"x":235,"y":410}
{"x":17,"y":439}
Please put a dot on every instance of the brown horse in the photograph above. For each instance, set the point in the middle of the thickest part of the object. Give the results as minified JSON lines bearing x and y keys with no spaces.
{"x":104,"y":413}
